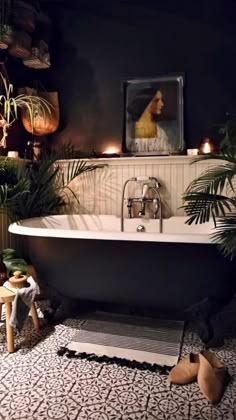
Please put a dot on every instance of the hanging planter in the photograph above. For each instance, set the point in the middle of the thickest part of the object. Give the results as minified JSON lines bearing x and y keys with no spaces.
{"x":40,"y":57}
{"x":21,"y":45}
{"x":11,"y":104}
{"x":24,"y":15}
{"x":35,"y":62}
{"x":45,"y":121}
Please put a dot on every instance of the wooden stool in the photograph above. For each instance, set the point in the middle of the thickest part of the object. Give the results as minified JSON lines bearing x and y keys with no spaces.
{"x":7,"y":297}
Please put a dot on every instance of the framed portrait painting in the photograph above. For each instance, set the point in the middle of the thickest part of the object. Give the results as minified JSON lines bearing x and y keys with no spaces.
{"x":153,"y":116}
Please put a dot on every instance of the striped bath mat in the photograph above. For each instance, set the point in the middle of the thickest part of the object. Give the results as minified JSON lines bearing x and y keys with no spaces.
{"x":143,"y":340}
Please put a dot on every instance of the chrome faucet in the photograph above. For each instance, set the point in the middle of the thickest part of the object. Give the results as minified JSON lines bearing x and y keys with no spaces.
{"x":143,"y":200}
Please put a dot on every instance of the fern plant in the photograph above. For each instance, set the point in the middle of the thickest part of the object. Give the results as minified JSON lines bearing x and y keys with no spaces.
{"x":10,"y":105}
{"x":39,"y":188}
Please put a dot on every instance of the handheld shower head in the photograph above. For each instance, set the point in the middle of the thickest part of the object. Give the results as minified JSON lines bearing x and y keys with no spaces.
{"x":144,"y":191}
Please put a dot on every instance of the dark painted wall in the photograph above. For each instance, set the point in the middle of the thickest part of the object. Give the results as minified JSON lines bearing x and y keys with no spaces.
{"x":95,"y":52}
{"x":96,"y":46}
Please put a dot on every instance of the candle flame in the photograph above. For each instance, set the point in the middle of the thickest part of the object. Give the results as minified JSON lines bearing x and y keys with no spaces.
{"x":206,"y":148}
{"x":110,"y":151}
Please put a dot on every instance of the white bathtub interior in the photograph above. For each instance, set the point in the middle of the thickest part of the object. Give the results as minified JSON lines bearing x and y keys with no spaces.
{"x":108,"y":227}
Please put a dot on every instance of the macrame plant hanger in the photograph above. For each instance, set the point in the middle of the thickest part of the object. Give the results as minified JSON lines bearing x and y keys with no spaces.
{"x":4,"y":125}
{"x":5,"y":11}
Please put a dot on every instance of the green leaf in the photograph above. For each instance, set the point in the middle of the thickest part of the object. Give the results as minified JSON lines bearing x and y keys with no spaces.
{"x":8,"y":253}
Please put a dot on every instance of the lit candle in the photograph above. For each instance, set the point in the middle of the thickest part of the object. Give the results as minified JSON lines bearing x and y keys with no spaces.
{"x":206,"y":147}
{"x":110,"y":151}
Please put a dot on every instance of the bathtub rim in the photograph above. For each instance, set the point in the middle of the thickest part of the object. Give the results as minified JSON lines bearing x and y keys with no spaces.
{"x":21,"y":228}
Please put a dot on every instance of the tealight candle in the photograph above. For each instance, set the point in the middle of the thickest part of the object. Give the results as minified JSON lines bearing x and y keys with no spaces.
{"x":13,"y":154}
{"x":206,"y":146}
{"x":111,"y":152}
{"x":192,"y":152}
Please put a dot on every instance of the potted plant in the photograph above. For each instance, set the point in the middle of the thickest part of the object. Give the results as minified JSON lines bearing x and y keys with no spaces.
{"x":10,"y":106}
{"x":213,"y":193}
{"x":41,"y":187}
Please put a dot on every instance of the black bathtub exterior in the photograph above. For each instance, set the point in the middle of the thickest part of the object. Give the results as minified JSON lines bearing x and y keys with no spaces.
{"x":165,"y":276}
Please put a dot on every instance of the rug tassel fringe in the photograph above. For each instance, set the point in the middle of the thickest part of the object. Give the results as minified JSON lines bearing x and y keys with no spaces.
{"x":133,"y":364}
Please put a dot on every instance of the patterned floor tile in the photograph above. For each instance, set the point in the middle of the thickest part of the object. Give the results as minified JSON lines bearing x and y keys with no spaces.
{"x":89,"y":391}
{"x":128,"y":399}
{"x":20,"y":404}
{"x":99,"y":412}
{"x":24,"y":378}
{"x":57,"y":408}
{"x":83,"y":369}
{"x":37,"y":384}
{"x":54,"y":384}
{"x":150,"y":382}
{"x":205,"y":411}
{"x":162,"y":404}
{"x":114,"y":375}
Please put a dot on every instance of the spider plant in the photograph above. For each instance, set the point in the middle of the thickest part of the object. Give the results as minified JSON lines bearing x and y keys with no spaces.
{"x":39,"y":188}
{"x":10,"y":105}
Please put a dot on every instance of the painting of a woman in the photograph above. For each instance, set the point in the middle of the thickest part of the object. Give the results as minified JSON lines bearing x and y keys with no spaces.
{"x":149,"y":129}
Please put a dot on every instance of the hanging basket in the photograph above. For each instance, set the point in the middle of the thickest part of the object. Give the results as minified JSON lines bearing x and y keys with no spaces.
{"x":35,"y":62}
{"x":44,"y":123}
{"x":39,"y":58}
{"x":21,"y":45}
{"x":24,"y":15}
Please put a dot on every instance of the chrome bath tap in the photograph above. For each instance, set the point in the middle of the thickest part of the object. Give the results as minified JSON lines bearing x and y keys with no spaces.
{"x":150,"y":184}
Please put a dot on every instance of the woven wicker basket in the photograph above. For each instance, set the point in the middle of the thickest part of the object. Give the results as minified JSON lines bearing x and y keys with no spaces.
{"x":43,"y":124}
{"x":21,"y":45}
{"x":24,"y":15}
{"x":37,"y":60}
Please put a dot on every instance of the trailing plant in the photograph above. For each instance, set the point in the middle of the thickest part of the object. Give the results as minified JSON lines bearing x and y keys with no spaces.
{"x":10,"y":105}
{"x":42,"y":187}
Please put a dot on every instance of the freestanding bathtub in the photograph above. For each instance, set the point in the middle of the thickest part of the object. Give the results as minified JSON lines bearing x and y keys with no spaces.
{"x":88,"y":257}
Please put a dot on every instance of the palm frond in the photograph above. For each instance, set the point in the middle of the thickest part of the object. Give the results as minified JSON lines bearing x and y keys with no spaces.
{"x":205,"y":196}
{"x":201,"y":206}
{"x":42,"y":188}
{"x":229,"y":156}
{"x":213,"y":180}
{"x":225,"y":235}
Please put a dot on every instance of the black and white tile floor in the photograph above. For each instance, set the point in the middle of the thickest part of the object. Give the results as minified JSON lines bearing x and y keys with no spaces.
{"x":37,"y":384}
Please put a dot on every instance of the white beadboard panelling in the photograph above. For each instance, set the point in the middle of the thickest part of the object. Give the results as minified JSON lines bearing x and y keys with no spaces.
{"x":100,"y":191}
